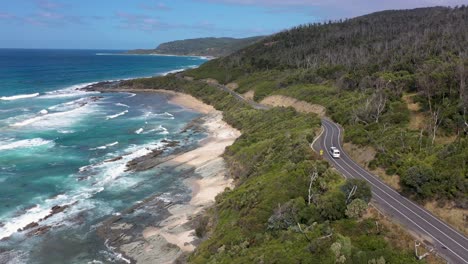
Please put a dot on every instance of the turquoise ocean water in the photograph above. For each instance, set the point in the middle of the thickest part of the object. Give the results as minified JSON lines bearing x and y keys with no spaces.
{"x":58,"y":147}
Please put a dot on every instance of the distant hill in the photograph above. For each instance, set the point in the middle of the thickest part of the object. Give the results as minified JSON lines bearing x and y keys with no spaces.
{"x":215,"y":47}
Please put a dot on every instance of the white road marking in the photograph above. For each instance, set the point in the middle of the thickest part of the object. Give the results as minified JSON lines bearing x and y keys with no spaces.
{"x":335,"y":162}
{"x":396,"y":193}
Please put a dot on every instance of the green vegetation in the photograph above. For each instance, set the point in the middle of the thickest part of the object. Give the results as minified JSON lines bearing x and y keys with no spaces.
{"x":215,"y":47}
{"x":396,"y":80}
{"x":288,"y":206}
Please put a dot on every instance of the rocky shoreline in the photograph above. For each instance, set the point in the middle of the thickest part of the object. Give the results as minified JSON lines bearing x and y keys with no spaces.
{"x":161,"y":229}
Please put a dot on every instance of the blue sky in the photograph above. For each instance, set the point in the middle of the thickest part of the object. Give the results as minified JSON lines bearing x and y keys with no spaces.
{"x":128,"y":24}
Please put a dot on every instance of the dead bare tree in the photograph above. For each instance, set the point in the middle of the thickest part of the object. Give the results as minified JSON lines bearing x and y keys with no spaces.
{"x":379,"y":105}
{"x":313,"y":177}
{"x":351,"y":194}
{"x":436,"y":120}
{"x":372,"y":109}
{"x":302,"y":231}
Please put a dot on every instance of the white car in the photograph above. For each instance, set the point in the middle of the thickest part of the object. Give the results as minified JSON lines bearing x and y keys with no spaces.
{"x":335,"y":153}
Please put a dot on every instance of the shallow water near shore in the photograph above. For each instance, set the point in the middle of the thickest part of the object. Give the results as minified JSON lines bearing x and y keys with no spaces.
{"x":63,"y":152}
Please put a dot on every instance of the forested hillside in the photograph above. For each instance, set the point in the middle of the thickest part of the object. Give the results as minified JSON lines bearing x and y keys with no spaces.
{"x":389,"y":40}
{"x":215,"y":47}
{"x":396,"y":80}
{"x":288,"y":206}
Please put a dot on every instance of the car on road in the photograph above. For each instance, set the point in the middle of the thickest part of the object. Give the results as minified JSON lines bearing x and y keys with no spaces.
{"x":334,"y":152}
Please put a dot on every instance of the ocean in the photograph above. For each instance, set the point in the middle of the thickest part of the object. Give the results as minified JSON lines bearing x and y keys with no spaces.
{"x":65,"y":151}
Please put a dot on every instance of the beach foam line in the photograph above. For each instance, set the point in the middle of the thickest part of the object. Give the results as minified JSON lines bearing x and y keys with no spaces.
{"x":116,"y":115}
{"x":25,"y":143}
{"x":17,"y":97}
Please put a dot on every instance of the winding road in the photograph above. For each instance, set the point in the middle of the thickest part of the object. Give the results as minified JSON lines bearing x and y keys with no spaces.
{"x":447,"y":242}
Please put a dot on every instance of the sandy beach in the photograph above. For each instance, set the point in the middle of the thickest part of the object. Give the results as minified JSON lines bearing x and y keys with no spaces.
{"x":164,"y":241}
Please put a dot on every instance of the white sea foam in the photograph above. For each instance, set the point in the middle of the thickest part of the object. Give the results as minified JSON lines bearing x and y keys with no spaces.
{"x":84,"y":168}
{"x":131,"y":95}
{"x":114,"y":254}
{"x":162,"y":130}
{"x":105,"y":146}
{"x":116,"y":115}
{"x":31,"y":215}
{"x":64,"y":131}
{"x":27,"y":121}
{"x":67,"y":106}
{"x":112,"y":144}
{"x":109,"y":170}
{"x":120,"y":104}
{"x":77,"y":200}
{"x":43,"y":112}
{"x":17,"y":97}
{"x":139,"y":131}
{"x":164,"y":115}
{"x":25,"y":143}
{"x":71,"y":91}
{"x":58,"y":119}
{"x":165,"y":197}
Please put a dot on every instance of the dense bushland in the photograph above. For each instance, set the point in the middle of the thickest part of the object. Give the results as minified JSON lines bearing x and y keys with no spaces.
{"x":396,"y":80}
{"x":288,"y":206}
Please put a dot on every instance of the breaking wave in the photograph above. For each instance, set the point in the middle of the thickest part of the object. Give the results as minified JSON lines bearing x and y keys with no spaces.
{"x":124,"y":105}
{"x":17,"y":97}
{"x":105,"y":146}
{"x":70,"y":110}
{"x":25,"y":143}
{"x":162,"y":130}
{"x":71,"y":91}
{"x":116,"y":115}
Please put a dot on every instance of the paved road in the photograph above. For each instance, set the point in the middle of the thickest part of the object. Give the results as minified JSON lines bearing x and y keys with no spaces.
{"x":239,"y":97}
{"x":448,"y":242}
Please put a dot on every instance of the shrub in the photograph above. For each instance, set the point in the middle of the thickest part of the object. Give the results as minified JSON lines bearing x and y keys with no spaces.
{"x":356,"y":208}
